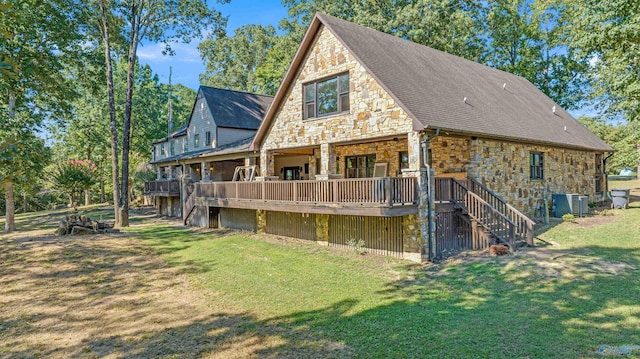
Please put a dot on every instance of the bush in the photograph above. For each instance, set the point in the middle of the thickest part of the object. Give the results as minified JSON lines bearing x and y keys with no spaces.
{"x":74,"y":176}
{"x":569,"y":218}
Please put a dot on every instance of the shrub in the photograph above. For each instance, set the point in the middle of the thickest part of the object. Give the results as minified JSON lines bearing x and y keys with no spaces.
{"x":74,"y":176}
{"x":569,"y":218}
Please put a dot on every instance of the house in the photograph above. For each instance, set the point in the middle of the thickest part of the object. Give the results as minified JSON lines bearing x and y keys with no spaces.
{"x":410,"y":151}
{"x":209,"y":147}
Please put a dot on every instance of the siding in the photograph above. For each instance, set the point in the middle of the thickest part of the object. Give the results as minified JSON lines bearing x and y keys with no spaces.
{"x":201,"y":122}
{"x":230,"y":135}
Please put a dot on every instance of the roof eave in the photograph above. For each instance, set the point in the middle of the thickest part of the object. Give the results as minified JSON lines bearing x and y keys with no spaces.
{"x":286,"y":82}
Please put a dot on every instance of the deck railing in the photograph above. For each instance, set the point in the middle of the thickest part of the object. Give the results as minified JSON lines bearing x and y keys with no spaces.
{"x":374,"y":191}
{"x":455,"y":191}
{"x":524,"y":225}
{"x":162,"y":186}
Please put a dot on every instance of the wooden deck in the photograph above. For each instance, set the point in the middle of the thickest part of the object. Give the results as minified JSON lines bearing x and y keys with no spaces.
{"x":163,"y":188}
{"x":395,"y":196}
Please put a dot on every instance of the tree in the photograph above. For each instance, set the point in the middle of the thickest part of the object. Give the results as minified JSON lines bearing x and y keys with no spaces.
{"x":73,"y":177}
{"x":163,"y":21}
{"x":22,"y":156}
{"x":524,"y":38}
{"x":32,"y":80}
{"x":606,"y":34}
{"x":623,"y":137}
{"x":231,"y":61}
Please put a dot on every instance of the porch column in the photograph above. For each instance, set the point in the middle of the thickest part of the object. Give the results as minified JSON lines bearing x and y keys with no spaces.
{"x":171,"y":169}
{"x":266,"y":163}
{"x":327,"y":161}
{"x":204,"y":172}
{"x":413,"y":149}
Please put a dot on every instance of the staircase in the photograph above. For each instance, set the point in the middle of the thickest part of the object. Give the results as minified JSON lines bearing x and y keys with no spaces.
{"x":503,"y":221}
{"x":189,"y":204}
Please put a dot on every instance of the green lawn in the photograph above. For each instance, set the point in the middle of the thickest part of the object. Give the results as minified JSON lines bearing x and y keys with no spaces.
{"x":521,"y":306}
{"x":244,"y":295}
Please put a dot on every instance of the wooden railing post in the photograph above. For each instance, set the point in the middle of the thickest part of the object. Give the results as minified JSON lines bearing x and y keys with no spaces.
{"x":387,"y":184}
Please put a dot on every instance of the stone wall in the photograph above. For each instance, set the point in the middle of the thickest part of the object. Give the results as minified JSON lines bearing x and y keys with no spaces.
{"x":504,"y":168}
{"x":385,"y":151}
{"x":373,"y":112}
{"x":450,"y":154}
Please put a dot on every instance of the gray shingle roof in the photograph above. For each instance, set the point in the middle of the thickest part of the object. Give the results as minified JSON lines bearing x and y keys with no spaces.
{"x":236,"y":109}
{"x":431,"y":86}
{"x":239,"y":147}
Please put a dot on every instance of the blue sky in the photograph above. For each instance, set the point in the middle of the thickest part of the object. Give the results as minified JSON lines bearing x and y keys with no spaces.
{"x":186,"y":63}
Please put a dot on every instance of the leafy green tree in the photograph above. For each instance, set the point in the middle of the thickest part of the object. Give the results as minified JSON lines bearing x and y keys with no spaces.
{"x":623,"y":137}
{"x":72,"y":177}
{"x":34,"y":52}
{"x":606,"y":34}
{"x":22,"y":156}
{"x":231,"y":61}
{"x":136,"y":21}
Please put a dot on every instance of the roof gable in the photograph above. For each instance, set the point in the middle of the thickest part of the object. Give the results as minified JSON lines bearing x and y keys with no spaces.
{"x":233,"y":109}
{"x":439,"y":90}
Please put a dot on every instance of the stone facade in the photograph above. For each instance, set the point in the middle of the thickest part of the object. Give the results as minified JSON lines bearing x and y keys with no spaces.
{"x":504,"y":168}
{"x":450,"y":155}
{"x":385,"y":151}
{"x":373,"y":112}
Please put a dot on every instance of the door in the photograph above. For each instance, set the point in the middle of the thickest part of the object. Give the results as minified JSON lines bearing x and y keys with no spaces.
{"x":291,"y":173}
{"x":214,"y":215}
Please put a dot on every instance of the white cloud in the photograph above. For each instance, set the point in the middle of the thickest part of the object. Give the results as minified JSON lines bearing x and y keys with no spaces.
{"x":183,"y":53}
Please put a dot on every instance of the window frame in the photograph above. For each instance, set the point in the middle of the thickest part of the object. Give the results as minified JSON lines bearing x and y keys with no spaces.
{"x":536,"y":165}
{"x":341,"y":95}
{"x":186,"y":144}
{"x":162,"y":150}
{"x":196,"y":140}
{"x":207,"y":138}
{"x":369,"y":165}
{"x":172,"y":147}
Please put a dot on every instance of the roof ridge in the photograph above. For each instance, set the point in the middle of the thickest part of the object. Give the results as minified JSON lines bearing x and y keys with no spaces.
{"x":236,"y":91}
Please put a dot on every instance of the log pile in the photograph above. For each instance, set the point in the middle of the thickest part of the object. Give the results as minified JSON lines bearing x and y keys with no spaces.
{"x":75,"y":225}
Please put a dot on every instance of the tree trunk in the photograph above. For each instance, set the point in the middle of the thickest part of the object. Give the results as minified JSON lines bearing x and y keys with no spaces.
{"x":10,"y":215}
{"x":126,"y":132}
{"x":102,"y":195}
{"x":87,"y":197}
{"x":112,"y":111}
{"x":25,"y":203}
{"x":10,"y":208}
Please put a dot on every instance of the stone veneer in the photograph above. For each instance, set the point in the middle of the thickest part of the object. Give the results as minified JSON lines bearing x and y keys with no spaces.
{"x":450,"y":154}
{"x":385,"y":151}
{"x":504,"y":168}
{"x":373,"y":112}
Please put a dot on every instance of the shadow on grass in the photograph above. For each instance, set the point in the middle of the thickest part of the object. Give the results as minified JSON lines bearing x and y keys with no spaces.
{"x":485,"y":309}
{"x":498,"y":307}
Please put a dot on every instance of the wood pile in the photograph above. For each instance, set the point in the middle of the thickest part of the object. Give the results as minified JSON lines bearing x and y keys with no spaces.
{"x":75,"y":225}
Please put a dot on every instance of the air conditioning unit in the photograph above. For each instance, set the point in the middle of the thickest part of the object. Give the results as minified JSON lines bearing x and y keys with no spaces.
{"x":583,"y":206}
{"x":567,"y":203}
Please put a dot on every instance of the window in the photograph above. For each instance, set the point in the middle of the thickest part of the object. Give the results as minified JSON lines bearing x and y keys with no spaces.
{"x":404,"y":160}
{"x":173,"y":148}
{"x":326,"y":97}
{"x":196,"y":140}
{"x":536,"y":164}
{"x":162,"y":149}
{"x":207,"y":138}
{"x":186,"y":144}
{"x":360,"y":166}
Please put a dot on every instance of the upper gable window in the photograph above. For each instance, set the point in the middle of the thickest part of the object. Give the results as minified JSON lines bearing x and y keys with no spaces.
{"x":172,"y":148}
{"x":326,"y":97}
{"x":196,"y":140}
{"x":207,"y":138}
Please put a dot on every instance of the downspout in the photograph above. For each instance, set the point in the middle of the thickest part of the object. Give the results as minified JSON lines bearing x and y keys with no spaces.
{"x":605,"y":177}
{"x":425,"y":161}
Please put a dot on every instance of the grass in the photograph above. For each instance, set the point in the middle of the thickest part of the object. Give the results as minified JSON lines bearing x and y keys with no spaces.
{"x":166,"y":290}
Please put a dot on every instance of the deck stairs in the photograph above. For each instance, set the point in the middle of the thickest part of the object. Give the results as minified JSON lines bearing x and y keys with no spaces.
{"x":504,"y":222}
